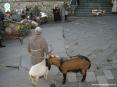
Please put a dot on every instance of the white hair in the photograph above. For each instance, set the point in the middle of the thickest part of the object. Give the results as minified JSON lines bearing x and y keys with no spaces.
{"x":38,"y":30}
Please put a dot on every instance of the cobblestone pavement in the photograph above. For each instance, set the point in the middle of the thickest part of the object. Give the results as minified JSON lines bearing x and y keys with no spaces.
{"x":95,"y":37}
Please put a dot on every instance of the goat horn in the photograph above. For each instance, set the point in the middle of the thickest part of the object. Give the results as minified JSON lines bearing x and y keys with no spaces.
{"x":57,"y":56}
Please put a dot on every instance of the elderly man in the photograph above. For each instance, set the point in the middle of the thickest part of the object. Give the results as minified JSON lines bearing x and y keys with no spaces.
{"x":37,"y":46}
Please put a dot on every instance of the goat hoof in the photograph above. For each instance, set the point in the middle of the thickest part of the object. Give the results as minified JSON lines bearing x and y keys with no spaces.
{"x":63,"y":83}
{"x":82,"y":80}
{"x":52,"y":85}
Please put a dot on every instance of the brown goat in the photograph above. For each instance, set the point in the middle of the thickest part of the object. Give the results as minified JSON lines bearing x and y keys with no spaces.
{"x":75,"y":64}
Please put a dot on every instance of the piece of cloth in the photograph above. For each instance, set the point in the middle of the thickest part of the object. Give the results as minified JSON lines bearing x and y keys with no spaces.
{"x":38,"y":48}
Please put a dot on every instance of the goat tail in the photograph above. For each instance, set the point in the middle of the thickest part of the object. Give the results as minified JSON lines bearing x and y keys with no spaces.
{"x":89,"y":64}
{"x":88,"y":60}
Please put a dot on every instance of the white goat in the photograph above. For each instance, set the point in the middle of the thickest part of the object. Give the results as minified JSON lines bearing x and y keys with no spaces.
{"x":37,"y":71}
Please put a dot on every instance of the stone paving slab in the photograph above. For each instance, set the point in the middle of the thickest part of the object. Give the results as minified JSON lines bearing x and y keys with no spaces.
{"x":108,"y":74}
{"x":89,"y":38}
{"x":106,"y":67}
{"x":25,"y":62}
{"x":114,"y":72}
{"x":114,"y":65}
{"x":71,"y":77}
{"x":55,"y":39}
{"x":91,"y":84}
{"x":99,"y":73}
{"x":83,"y":36}
{"x":102,"y":81}
{"x":61,"y":85}
{"x":74,"y":84}
{"x":112,"y":83}
{"x":14,"y":78}
{"x":79,"y":78}
{"x":43,"y":83}
{"x":91,"y":77}
{"x":84,"y":84}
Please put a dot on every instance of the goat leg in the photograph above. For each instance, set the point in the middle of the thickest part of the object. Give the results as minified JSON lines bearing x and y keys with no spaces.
{"x":84,"y":75}
{"x":83,"y":79}
{"x":45,"y":76}
{"x":64,"y":78}
{"x":34,"y":81}
{"x":33,"y":85}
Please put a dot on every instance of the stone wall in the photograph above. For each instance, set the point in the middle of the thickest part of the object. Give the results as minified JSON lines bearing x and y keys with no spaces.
{"x":45,"y":6}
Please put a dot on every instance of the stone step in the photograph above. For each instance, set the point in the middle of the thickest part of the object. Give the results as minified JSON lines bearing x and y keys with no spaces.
{"x":101,"y":1}
{"x":95,"y":1}
{"x":99,"y":5}
{"x":89,"y":14}
{"x":73,"y":2}
{"x":90,"y":9}
{"x":83,"y":3}
{"x":86,"y":7}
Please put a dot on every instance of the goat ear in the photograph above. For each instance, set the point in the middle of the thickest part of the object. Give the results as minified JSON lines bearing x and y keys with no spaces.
{"x":49,"y":56}
{"x":52,"y":55}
